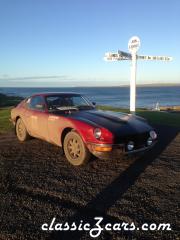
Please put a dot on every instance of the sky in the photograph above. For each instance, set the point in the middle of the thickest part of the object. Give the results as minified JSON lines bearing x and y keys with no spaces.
{"x":49,"y":43}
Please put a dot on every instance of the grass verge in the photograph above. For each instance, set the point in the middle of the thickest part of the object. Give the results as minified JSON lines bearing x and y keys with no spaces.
{"x":154,"y":117}
{"x":6,"y":101}
{"x":5,"y":124}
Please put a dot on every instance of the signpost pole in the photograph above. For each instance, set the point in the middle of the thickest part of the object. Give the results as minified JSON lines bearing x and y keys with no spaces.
{"x":133,"y":45}
{"x":133,"y":84}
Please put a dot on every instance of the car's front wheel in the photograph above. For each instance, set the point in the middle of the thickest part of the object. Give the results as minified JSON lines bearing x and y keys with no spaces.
{"x":75,"y":150}
{"x":21,"y":131}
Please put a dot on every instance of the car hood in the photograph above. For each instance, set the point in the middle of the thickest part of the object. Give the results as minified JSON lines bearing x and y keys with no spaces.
{"x":120,"y":124}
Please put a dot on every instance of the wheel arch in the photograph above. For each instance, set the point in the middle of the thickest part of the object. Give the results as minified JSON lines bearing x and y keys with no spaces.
{"x":64,"y":132}
{"x":67,"y":130}
{"x":17,"y":117}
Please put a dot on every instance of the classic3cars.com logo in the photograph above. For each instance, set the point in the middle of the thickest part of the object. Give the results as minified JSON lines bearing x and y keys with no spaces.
{"x":96,"y":229}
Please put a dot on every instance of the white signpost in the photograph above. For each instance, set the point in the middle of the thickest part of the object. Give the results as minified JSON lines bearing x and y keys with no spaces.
{"x":133,"y":46}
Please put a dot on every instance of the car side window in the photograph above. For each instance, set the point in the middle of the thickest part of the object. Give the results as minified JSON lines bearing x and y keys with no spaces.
{"x":58,"y":101}
{"x":78,"y":101}
{"x":37,"y":103}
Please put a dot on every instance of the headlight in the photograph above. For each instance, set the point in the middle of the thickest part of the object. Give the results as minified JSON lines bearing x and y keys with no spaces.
{"x":149,"y":141}
{"x":153,"y":134}
{"x":97,"y":133}
{"x":130,"y":146}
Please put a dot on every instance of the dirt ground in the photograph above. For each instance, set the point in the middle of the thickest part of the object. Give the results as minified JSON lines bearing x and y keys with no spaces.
{"x":37,"y":184}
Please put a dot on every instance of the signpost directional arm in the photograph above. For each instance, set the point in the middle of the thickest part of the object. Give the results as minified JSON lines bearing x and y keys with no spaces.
{"x":151,"y":58}
{"x":109,"y":56}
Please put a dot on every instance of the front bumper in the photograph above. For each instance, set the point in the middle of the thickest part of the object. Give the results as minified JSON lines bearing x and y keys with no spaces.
{"x":109,"y":151}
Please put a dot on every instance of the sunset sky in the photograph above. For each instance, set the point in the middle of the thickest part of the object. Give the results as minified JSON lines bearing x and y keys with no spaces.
{"x":62,"y":42}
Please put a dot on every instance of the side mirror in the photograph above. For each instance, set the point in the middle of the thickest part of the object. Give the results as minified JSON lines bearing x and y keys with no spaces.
{"x":94,"y":103}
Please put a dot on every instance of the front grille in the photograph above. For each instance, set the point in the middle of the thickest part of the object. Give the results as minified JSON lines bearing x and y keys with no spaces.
{"x":138,"y":139}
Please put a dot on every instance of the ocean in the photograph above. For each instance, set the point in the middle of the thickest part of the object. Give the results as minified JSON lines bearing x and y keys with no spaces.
{"x":112,"y":96}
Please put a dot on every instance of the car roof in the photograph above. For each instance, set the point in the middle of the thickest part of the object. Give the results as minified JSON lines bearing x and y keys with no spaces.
{"x":46,"y":94}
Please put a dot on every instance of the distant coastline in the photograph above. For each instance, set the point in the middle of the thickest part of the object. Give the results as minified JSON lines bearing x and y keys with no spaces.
{"x":97,"y":86}
{"x":147,"y":96}
{"x":9,"y":101}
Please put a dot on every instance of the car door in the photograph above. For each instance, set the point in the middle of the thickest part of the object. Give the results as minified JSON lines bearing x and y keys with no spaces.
{"x":56,"y":122}
{"x":55,"y":126}
{"x":36,"y":117}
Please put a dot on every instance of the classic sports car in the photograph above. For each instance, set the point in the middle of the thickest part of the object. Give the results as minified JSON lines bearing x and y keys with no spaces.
{"x":70,"y":121}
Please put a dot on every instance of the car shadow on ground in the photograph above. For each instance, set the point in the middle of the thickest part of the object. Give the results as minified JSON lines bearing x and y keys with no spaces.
{"x":105,"y":199}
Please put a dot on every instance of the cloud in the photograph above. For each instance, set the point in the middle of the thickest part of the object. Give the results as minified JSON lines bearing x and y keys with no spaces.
{"x":39,"y":78}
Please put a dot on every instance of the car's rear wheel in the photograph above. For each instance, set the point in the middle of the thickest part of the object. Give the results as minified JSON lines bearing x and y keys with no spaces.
{"x":21,"y":131}
{"x":75,"y":150}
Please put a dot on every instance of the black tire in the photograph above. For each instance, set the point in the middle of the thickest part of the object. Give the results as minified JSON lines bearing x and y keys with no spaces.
{"x":21,"y":131}
{"x":75,"y":150}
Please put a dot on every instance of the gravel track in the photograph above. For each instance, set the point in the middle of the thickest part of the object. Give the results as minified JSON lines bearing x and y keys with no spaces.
{"x":37,"y":184}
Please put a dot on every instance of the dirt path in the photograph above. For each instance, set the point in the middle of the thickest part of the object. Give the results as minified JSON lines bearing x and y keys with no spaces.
{"x":37,"y":184}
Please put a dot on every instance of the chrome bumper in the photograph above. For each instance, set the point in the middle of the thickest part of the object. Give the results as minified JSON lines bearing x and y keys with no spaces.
{"x":115,"y":150}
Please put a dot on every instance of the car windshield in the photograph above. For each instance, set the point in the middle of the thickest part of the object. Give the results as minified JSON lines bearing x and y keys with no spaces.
{"x":67,"y":102}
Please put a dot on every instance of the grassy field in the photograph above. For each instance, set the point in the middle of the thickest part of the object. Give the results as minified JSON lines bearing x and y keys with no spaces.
{"x":5,"y":124}
{"x":154,"y":117}
{"x":6,"y":101}
{"x":163,"y":118}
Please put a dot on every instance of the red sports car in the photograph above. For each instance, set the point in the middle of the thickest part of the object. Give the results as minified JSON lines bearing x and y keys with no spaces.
{"x":70,"y":121}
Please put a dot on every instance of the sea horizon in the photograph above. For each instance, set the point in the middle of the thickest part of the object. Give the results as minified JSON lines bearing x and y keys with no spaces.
{"x":117,"y":96}
{"x":94,"y":86}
